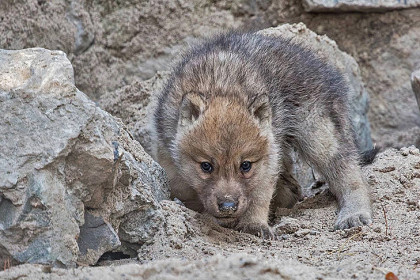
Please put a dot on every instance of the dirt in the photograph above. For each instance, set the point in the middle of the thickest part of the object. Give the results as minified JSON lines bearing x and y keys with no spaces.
{"x":190,"y":246}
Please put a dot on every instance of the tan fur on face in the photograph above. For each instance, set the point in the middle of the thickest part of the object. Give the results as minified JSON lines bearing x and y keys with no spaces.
{"x":225,"y":136}
{"x":226,"y":131}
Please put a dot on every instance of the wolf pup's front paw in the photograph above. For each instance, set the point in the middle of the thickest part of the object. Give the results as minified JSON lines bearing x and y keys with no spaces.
{"x":261,"y":230}
{"x":347,"y":220}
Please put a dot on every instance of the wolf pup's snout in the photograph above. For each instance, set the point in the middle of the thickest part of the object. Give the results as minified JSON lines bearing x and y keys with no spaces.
{"x":228,"y":207}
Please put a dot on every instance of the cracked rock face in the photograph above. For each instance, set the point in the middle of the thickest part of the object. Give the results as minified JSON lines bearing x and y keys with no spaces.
{"x":71,"y":176}
{"x":135,"y":105}
{"x":111,"y":43}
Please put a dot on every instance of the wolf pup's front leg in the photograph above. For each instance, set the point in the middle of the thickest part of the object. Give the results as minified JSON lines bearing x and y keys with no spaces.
{"x":255,"y":220}
{"x":332,"y":151}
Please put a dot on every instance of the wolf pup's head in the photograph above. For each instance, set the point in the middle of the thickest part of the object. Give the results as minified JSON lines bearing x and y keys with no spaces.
{"x":224,"y":150}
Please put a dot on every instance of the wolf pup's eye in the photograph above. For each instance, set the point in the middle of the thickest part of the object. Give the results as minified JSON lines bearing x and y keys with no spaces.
{"x":206,"y":167}
{"x":245,"y":166}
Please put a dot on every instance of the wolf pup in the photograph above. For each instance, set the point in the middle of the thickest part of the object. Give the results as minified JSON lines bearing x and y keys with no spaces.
{"x":229,"y":116}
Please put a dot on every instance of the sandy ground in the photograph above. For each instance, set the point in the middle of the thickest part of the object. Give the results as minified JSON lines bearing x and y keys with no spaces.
{"x":189,"y":246}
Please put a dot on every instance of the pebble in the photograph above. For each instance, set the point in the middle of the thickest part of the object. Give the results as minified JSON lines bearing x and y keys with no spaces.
{"x":405,"y":151}
{"x":286,"y":236}
{"x":410,"y":150}
{"x":287,"y":225}
{"x":414,"y":151}
{"x":302,"y":232}
{"x":179,"y":202}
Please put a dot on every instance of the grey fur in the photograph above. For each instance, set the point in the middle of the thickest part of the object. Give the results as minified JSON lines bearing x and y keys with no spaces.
{"x":308,"y":111}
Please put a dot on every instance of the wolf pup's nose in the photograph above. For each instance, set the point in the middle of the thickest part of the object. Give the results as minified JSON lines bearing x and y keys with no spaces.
{"x":228,"y":206}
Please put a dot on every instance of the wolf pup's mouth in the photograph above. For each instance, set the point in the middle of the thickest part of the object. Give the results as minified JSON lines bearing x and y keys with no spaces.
{"x":226,"y":221}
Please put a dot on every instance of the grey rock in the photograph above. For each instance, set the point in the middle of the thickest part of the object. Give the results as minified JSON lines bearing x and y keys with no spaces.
{"x":385,"y":45}
{"x":394,"y":113}
{"x":357,"y":5}
{"x":96,"y":237}
{"x":84,"y":35}
{"x":135,"y":104}
{"x":302,"y":232}
{"x":65,"y":165}
{"x":111,"y":43}
{"x":287,"y":225}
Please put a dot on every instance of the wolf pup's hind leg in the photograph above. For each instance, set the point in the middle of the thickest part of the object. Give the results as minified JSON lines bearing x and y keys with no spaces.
{"x":288,"y":190}
{"x":331,"y":150}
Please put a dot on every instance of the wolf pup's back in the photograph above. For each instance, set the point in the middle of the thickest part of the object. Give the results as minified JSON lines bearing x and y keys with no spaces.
{"x":228,"y":117}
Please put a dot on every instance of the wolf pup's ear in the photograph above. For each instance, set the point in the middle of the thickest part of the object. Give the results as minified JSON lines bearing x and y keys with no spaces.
{"x":192,"y":106}
{"x":260,"y":108}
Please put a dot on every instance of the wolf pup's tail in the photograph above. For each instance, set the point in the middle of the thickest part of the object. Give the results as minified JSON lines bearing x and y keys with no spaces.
{"x":368,"y":156}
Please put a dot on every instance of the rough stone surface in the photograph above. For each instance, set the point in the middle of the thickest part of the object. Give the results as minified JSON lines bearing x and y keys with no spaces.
{"x":95,"y":238}
{"x":385,"y":47}
{"x":357,"y":5}
{"x":135,"y":105}
{"x":110,"y":43}
{"x":69,"y":172}
{"x":189,"y":245}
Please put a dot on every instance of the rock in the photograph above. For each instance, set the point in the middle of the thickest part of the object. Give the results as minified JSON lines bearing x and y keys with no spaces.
{"x":398,"y":138}
{"x":71,"y":176}
{"x":387,"y":57}
{"x":287,"y":225}
{"x":80,"y":18}
{"x":302,"y":232}
{"x":95,"y":238}
{"x":135,"y":104}
{"x":395,"y":111}
{"x":357,"y":5}
{"x":53,"y":24}
{"x":111,"y":44}
{"x":405,"y":151}
{"x":415,"y":84}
